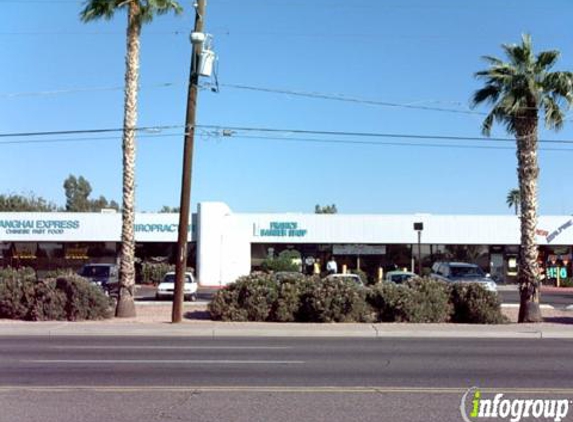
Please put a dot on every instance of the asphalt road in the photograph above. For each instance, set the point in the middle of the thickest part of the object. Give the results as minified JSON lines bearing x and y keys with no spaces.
{"x":252,"y":379}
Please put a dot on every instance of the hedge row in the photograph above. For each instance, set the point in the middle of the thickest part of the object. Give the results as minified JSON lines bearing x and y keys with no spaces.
{"x":70,"y":298}
{"x":263,"y":297}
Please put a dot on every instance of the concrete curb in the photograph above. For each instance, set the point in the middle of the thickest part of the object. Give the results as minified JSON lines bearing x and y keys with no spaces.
{"x":225,"y":330}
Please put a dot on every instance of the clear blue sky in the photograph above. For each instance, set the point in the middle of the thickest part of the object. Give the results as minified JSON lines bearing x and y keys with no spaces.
{"x":413,"y":52}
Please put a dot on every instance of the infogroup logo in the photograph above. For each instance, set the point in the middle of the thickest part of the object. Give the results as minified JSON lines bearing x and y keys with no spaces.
{"x":475,"y":406}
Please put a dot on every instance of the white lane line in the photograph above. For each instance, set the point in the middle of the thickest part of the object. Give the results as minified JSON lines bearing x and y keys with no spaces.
{"x":164,"y":361}
{"x":107,"y":347}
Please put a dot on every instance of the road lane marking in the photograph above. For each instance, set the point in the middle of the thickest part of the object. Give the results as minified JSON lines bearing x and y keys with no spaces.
{"x":105,"y":347}
{"x":279,"y":389}
{"x":164,"y":361}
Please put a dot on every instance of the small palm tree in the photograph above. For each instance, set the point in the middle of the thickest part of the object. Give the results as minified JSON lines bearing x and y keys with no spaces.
{"x":517,"y":91}
{"x":139,"y":12}
{"x":513,"y":199}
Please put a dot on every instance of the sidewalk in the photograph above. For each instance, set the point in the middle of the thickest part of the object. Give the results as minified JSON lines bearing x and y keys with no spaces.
{"x":155,"y":321}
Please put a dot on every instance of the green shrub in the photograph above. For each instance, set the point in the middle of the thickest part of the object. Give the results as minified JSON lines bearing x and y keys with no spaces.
{"x":334,"y":300}
{"x":475,"y":305}
{"x":71,"y":298}
{"x":566,"y":282}
{"x":432,"y":300}
{"x":23,"y":273}
{"x":48,"y":304}
{"x":153,"y":272}
{"x":16,"y":297}
{"x":391,"y":302}
{"x":60,"y":272}
{"x":286,"y":261}
{"x":250,"y":298}
{"x":287,"y":306}
{"x":83,"y":300}
{"x":417,"y":300}
{"x":225,"y":305}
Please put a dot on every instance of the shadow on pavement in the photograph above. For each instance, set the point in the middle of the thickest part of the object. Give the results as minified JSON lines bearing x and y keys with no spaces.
{"x":559,"y":320}
{"x":197,"y":315}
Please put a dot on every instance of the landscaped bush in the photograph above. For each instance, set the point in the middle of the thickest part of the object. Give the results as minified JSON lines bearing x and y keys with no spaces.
{"x":84,"y":300}
{"x":153,"y":272}
{"x":263,"y":297}
{"x":16,"y":298}
{"x":432,"y":298}
{"x":250,"y":298}
{"x":334,"y":300}
{"x":286,"y":261}
{"x":60,"y":272}
{"x":71,"y":298}
{"x":475,"y":305}
{"x":49,"y":302}
{"x":418,"y":300}
{"x":289,"y":293}
{"x":23,"y":273}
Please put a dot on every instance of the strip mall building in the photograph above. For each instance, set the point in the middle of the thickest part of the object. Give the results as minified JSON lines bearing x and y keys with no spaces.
{"x":224,"y":245}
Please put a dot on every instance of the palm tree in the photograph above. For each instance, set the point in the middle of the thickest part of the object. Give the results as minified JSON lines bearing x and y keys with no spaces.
{"x":517,"y":91}
{"x":139,"y":12}
{"x":512,"y":200}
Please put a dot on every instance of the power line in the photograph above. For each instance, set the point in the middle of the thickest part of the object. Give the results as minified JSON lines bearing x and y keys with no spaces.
{"x":86,"y":131}
{"x":400,"y":144}
{"x":74,"y":140}
{"x":371,"y":134}
{"x":235,"y":132}
{"x":79,"y":90}
{"x":345,"y":98}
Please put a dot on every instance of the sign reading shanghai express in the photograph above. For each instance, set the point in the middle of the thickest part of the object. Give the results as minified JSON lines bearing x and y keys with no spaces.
{"x":280,"y":229}
{"x":38,"y":226}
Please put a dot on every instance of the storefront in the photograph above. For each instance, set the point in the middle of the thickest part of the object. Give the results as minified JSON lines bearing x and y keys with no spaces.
{"x":225,"y":245}
{"x":48,"y":241}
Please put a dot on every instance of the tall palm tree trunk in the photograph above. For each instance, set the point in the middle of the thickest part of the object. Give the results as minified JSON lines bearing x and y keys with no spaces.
{"x":126,"y":304}
{"x":528,"y":172}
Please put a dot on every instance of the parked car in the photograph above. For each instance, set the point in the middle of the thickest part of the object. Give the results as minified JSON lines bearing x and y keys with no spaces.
{"x":461,"y":272}
{"x":281,"y":276}
{"x":399,"y":277}
{"x":352,"y":277}
{"x":167,"y":287}
{"x":105,"y":276}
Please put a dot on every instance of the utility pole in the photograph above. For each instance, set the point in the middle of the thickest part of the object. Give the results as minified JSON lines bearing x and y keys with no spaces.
{"x":181,"y":264}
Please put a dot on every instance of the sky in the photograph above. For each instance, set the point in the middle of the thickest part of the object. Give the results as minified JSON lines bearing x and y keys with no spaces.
{"x":286,"y":70}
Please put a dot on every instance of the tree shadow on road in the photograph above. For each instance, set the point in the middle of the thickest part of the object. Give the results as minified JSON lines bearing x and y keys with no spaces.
{"x":202,"y":315}
{"x":559,"y":319}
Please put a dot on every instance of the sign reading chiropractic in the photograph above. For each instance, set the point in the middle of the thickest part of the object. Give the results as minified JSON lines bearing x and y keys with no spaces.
{"x":280,"y":229}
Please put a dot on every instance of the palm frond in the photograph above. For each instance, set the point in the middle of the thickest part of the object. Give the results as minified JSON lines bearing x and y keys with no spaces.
{"x":151,"y":8}
{"x":489,"y":93}
{"x":546,"y":59}
{"x":560,"y":83}
{"x":554,"y":116}
{"x":98,"y":9}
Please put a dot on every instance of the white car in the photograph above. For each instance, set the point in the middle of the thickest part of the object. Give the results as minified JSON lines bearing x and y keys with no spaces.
{"x":167,"y":286}
{"x":352,"y":277}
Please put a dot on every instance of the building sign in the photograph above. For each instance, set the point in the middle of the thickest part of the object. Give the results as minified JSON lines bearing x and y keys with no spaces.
{"x":551,"y":236}
{"x":280,"y":229}
{"x":157,"y":228}
{"x":359,"y":249}
{"x":38,"y":226}
{"x":557,"y":272}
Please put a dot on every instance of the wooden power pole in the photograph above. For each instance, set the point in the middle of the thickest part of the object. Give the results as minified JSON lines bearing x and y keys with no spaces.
{"x":181,"y":264}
